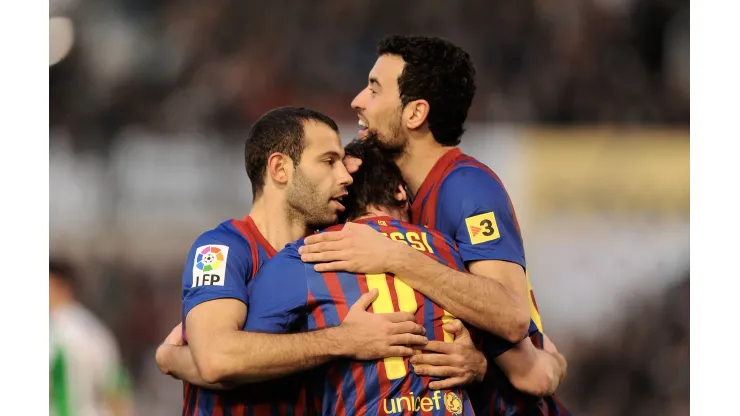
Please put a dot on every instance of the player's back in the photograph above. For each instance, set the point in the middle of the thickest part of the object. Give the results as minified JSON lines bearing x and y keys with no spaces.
{"x":388,"y":386}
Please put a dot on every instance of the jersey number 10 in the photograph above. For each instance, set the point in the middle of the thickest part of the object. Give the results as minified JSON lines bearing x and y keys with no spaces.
{"x":395,"y":367}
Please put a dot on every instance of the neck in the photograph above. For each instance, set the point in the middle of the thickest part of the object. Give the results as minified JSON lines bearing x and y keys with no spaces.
{"x":272,"y":219}
{"x":418,"y":160}
{"x":373,"y":212}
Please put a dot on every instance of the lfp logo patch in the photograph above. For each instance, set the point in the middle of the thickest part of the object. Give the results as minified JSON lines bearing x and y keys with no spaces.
{"x":209,"y":268}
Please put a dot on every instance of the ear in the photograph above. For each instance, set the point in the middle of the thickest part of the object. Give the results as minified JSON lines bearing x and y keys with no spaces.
{"x":401,"y":193}
{"x":279,"y":167}
{"x":415,"y":113}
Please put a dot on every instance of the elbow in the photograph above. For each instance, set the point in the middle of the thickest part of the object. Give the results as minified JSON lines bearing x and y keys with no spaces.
{"x":212,"y":369}
{"x":518,"y":328}
{"x":536,"y":385}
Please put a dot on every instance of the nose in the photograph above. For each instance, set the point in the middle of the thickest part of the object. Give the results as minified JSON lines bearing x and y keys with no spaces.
{"x":345,"y":179}
{"x":357,"y":101}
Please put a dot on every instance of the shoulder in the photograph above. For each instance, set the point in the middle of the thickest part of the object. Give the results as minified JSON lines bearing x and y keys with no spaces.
{"x":224,"y":238}
{"x":471,"y":177}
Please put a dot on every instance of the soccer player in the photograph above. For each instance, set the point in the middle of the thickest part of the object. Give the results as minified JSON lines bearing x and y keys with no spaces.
{"x":85,"y":373}
{"x":288,"y":296}
{"x":293,"y":158}
{"x":416,"y":102}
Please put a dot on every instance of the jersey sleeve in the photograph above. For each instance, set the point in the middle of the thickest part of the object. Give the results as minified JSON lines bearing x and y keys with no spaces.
{"x":476,"y":210}
{"x":278,"y":294}
{"x":218,"y":266}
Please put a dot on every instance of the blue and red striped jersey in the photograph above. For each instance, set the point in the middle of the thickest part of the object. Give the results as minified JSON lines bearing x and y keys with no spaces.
{"x":219,"y":265}
{"x":289,"y":296}
{"x":465,"y":199}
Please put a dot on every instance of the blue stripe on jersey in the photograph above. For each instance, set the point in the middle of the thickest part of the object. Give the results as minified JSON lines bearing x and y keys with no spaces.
{"x":317,"y":288}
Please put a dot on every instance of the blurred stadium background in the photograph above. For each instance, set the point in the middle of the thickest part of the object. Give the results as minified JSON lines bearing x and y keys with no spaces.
{"x":582,"y":109}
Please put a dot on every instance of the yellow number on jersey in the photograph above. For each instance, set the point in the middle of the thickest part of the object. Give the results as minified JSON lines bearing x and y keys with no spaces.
{"x":395,"y":367}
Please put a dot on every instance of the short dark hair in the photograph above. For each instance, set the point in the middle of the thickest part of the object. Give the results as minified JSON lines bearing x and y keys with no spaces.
{"x":440,"y":73}
{"x":375,"y":183}
{"x":64,"y":271}
{"x":279,"y":130}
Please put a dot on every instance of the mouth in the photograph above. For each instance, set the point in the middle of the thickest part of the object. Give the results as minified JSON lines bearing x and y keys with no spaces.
{"x":337,"y":202}
{"x":364,"y":127}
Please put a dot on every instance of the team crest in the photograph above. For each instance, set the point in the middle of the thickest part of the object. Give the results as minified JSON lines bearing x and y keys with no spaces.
{"x":453,"y":404}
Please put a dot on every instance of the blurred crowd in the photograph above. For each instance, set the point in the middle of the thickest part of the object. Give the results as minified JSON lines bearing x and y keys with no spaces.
{"x":192,"y":65}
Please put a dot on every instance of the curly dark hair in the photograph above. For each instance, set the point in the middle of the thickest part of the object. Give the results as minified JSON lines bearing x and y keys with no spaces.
{"x":279,"y":130}
{"x":440,"y":73}
{"x":375,"y":183}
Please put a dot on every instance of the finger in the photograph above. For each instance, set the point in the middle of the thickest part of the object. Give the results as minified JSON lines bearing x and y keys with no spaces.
{"x":323,"y":257}
{"x":333,"y":266}
{"x":440,"y":347}
{"x":408,"y":327}
{"x":399,"y":317}
{"x":321,"y":237}
{"x":448,"y":383}
{"x":364,"y":301}
{"x":433,"y":359}
{"x":438,"y":371}
{"x":321,"y":247}
{"x":409,"y":340}
{"x":399,"y":351}
{"x":352,"y":163}
{"x":454,"y":327}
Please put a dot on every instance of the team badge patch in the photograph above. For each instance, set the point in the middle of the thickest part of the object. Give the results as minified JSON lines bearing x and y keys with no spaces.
{"x":209,"y":265}
{"x":482,"y":228}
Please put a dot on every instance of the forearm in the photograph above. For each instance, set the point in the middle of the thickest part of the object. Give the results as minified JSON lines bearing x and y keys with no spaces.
{"x":535,"y":372}
{"x":481,"y":301}
{"x":177,"y":361}
{"x":246,"y":357}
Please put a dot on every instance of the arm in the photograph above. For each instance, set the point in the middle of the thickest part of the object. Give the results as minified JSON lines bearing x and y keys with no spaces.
{"x":492,"y":297}
{"x":531,"y":370}
{"x":223,"y":352}
{"x":177,"y":361}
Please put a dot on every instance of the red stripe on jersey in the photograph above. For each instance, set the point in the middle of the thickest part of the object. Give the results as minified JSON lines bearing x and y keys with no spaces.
{"x":218,"y":406}
{"x":239,"y":409}
{"x":186,"y":397}
{"x":385,"y":385}
{"x":251,"y":226}
{"x":300,"y":408}
{"x":318,"y":315}
{"x":439,"y":333}
{"x":197,"y":399}
{"x":337,"y":381}
{"x":337,"y":294}
{"x":360,"y":399}
{"x":242,"y":227}
{"x":445,"y":251}
{"x":391,"y":281}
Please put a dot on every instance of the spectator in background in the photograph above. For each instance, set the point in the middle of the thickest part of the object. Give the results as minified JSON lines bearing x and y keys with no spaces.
{"x":85,"y":375}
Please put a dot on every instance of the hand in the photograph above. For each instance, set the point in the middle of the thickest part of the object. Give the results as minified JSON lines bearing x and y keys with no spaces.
{"x":357,"y":248}
{"x":370,"y":336}
{"x":175,"y":336}
{"x":352,"y":164}
{"x":459,"y":362}
{"x":161,"y":355}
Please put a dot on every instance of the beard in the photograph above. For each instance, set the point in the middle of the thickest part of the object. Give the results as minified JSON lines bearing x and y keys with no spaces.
{"x":394,"y":144}
{"x":306,"y":202}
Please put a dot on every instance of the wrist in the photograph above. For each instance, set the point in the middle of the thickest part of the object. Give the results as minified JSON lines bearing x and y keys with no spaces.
{"x":339,"y":344}
{"x":398,"y":260}
{"x":482,"y":368}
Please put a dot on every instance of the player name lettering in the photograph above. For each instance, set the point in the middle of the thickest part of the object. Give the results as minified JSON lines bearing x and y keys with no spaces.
{"x":412,"y":238}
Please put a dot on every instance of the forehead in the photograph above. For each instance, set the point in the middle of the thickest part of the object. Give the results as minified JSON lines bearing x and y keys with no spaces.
{"x":320,"y":138}
{"x":387,"y":69}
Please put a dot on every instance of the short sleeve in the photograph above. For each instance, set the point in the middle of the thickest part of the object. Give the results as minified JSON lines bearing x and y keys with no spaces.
{"x":278,"y":294}
{"x":218,"y":267}
{"x":494,"y":346}
{"x":475,"y":208}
